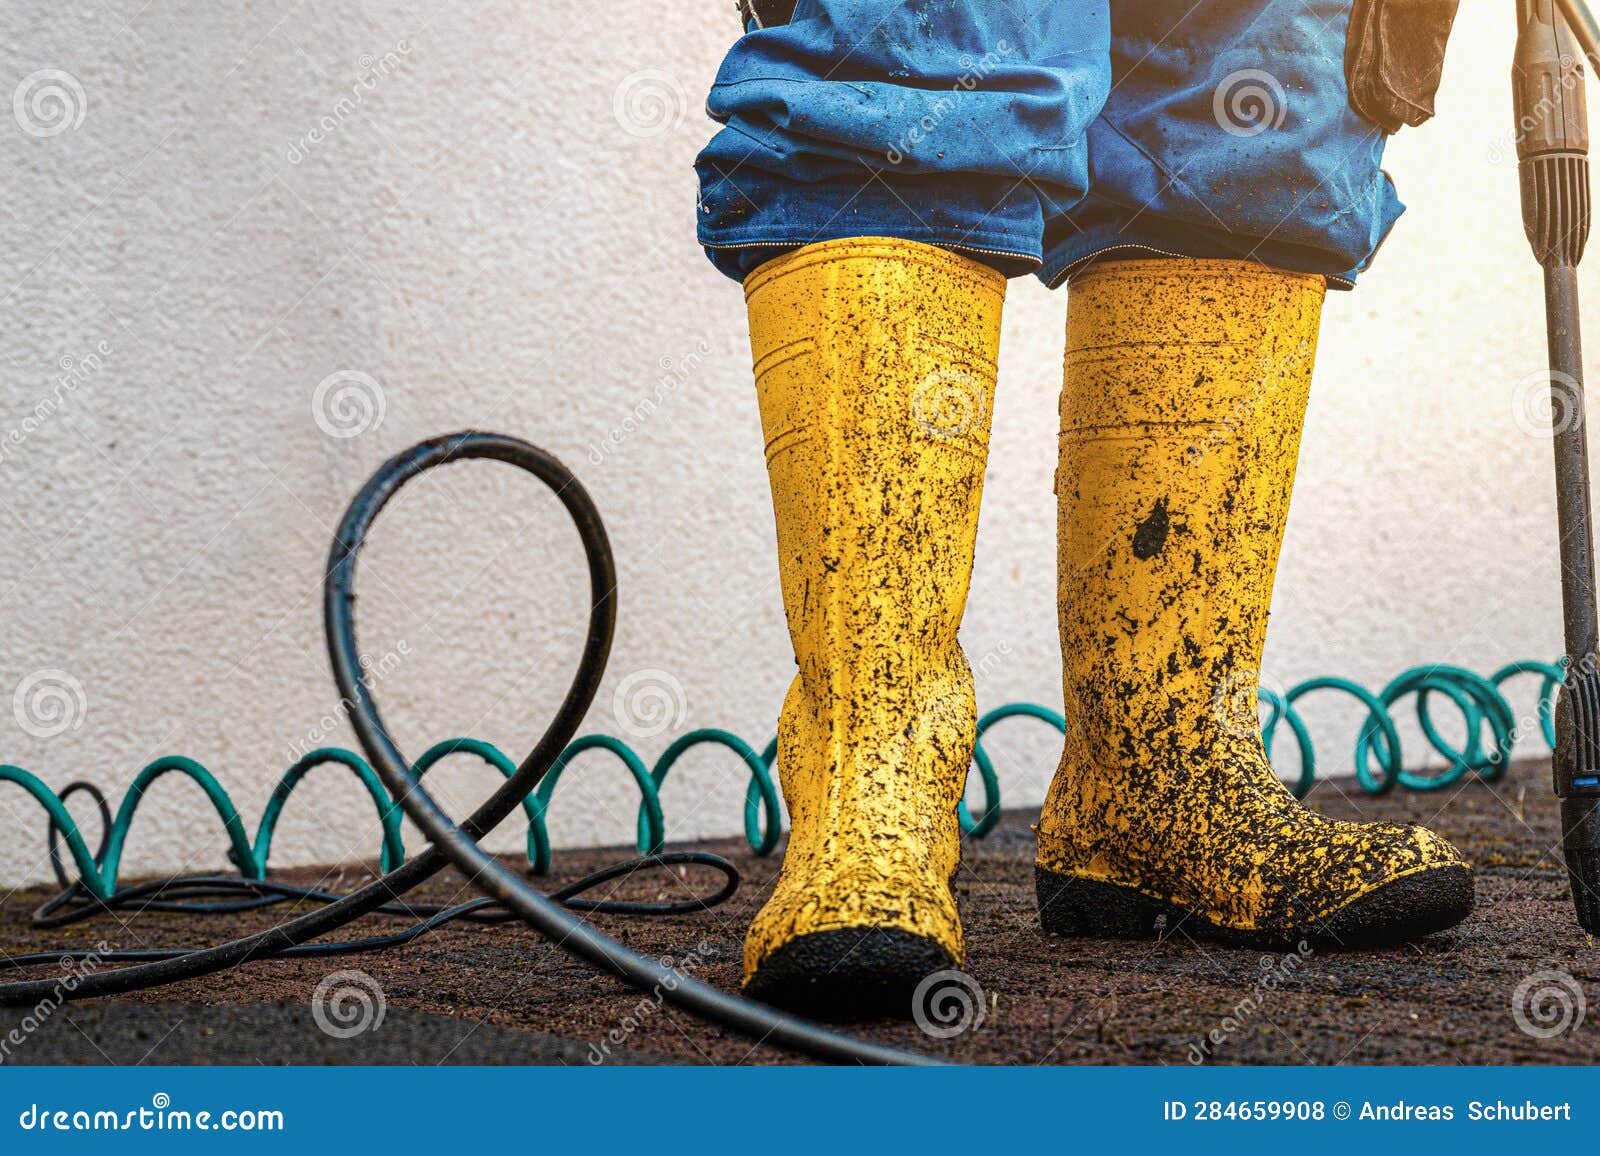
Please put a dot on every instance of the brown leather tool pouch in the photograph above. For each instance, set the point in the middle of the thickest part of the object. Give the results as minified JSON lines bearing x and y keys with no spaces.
{"x":1394,"y":58}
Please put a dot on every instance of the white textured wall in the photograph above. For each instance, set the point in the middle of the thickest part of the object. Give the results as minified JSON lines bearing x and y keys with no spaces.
{"x":475,"y":233}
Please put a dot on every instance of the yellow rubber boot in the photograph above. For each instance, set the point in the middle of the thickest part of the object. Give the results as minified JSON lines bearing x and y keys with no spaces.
{"x":875,"y":364}
{"x":1186,"y":388}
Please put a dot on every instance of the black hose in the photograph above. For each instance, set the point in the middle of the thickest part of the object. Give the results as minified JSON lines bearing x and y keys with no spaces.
{"x":459,"y":843}
{"x":189,"y":888}
{"x":508,"y":894}
{"x":230,"y":895}
{"x":54,"y":843}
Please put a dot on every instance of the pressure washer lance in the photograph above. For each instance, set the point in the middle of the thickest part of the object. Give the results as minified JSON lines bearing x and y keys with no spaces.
{"x":1553,"y":153}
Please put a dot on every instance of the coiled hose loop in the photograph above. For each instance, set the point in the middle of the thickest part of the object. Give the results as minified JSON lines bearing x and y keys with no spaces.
{"x":1489,"y":723}
{"x":459,"y":842}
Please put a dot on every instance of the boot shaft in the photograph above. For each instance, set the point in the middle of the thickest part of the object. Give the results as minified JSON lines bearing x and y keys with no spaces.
{"x":875,"y":366}
{"x":1185,"y":391}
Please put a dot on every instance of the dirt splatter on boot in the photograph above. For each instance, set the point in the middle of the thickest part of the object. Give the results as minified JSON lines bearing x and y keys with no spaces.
{"x":1186,"y":388}
{"x":875,"y":365}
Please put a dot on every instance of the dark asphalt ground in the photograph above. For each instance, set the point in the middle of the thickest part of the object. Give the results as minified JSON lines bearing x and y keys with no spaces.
{"x":482,"y":994}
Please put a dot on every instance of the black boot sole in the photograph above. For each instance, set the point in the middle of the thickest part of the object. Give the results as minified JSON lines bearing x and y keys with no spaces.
{"x":848,"y":974}
{"x":1398,"y":912}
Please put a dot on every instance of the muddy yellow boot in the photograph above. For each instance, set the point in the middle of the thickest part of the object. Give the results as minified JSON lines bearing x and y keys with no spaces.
{"x":1186,"y":386}
{"x":875,"y":363}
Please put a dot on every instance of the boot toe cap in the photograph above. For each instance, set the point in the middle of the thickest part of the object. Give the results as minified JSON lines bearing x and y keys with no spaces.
{"x":1431,"y":899}
{"x":849,"y":973}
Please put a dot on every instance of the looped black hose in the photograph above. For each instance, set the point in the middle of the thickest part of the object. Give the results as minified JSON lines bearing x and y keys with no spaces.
{"x":389,"y":888}
{"x":229,"y":894}
{"x":459,"y":843}
{"x":568,"y":895}
{"x":52,"y":838}
{"x":184,"y":892}
{"x":451,"y":843}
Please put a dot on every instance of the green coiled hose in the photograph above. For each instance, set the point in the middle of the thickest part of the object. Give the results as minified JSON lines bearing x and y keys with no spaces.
{"x":1490,"y":728}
